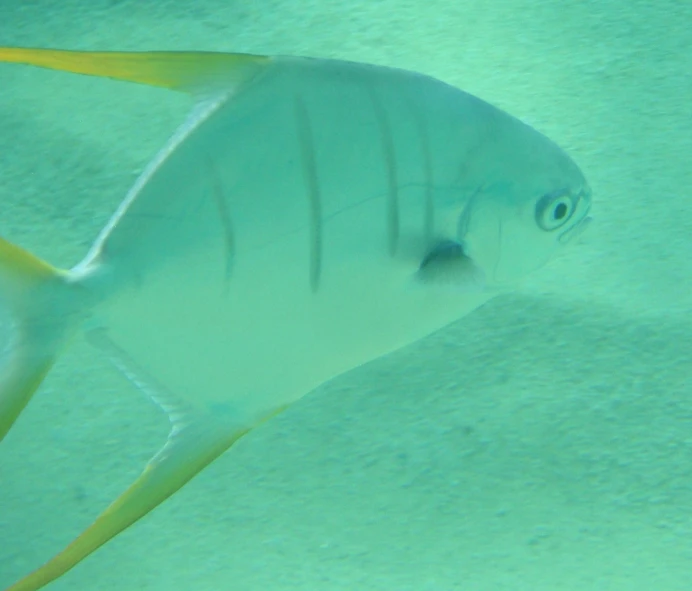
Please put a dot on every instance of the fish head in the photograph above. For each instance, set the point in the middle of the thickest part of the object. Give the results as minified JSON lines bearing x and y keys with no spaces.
{"x":516,"y":220}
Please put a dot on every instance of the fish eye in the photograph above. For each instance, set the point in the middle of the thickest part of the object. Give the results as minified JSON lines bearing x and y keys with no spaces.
{"x":554,"y":210}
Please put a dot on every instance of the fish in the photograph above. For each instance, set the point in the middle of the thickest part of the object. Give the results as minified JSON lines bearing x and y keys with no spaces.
{"x":309,"y":215}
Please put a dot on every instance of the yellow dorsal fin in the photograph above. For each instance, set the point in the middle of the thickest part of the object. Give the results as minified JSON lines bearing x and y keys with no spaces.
{"x":192,"y":71}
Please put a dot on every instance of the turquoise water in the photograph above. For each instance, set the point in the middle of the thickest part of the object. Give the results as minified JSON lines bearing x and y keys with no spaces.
{"x":541,"y":443}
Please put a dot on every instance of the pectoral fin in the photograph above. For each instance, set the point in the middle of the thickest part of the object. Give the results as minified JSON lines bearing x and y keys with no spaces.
{"x":196,"y":439}
{"x":446,"y":264}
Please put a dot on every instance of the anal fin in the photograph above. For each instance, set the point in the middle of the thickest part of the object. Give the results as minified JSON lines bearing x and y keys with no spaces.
{"x":196,"y":439}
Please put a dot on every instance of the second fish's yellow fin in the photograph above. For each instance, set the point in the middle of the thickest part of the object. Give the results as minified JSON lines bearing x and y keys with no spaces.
{"x":196,"y":439}
{"x":196,"y":72}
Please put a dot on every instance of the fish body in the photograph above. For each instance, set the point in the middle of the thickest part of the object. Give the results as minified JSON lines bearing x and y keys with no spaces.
{"x":309,"y":216}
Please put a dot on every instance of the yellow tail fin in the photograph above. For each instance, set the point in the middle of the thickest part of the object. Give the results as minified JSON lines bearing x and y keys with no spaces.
{"x":30,"y":335}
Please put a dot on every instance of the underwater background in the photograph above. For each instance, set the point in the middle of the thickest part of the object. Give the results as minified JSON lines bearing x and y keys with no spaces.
{"x":543,"y":442}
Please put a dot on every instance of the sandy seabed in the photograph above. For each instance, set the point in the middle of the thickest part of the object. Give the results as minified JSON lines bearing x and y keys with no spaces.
{"x":542,"y":443}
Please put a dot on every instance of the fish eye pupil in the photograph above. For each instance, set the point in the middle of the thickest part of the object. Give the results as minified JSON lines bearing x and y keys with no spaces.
{"x":554,"y":210}
{"x":560,"y":211}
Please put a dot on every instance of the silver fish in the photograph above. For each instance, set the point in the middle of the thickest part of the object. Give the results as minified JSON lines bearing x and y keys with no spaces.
{"x":309,"y":216}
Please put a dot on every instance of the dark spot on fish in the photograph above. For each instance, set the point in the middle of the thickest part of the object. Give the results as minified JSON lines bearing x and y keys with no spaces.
{"x":444,"y":251}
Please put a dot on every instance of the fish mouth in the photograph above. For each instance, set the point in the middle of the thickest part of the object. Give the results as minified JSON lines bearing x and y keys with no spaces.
{"x":576,"y":230}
